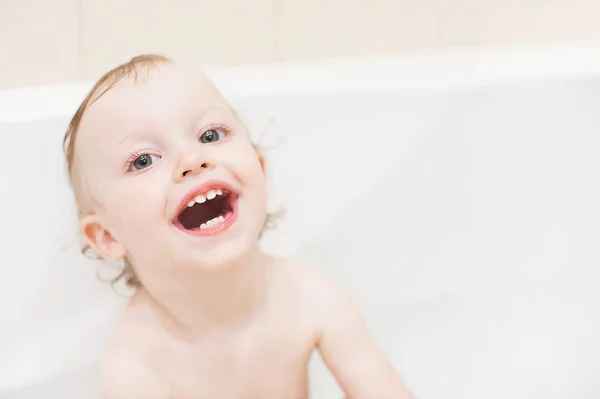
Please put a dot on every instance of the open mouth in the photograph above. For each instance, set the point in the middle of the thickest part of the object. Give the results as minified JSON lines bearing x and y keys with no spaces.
{"x":208,"y":212}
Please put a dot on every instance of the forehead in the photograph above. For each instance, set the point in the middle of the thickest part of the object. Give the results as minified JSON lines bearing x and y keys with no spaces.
{"x":163,"y":95}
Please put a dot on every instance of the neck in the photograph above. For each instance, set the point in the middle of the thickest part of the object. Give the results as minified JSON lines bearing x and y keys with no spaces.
{"x":193,"y":302}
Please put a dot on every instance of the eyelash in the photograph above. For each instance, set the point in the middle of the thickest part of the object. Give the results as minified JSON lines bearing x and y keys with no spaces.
{"x":216,"y":126}
{"x":135,"y":155}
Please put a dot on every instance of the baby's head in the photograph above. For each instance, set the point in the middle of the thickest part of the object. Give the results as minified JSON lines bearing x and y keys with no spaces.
{"x":164,"y":173}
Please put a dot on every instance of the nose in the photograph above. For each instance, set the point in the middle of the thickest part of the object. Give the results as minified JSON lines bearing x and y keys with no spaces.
{"x":190,"y":164}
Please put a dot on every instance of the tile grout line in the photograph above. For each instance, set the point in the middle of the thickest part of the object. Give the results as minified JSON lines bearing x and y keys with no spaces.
{"x":80,"y":62}
{"x":277,"y":51}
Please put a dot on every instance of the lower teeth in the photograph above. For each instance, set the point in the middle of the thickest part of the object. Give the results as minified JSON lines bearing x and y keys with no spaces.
{"x":212,"y":222}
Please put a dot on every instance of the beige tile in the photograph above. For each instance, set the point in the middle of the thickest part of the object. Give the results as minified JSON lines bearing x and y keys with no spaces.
{"x":38,"y":42}
{"x":330,"y":28}
{"x":509,"y":22}
{"x":207,"y":33}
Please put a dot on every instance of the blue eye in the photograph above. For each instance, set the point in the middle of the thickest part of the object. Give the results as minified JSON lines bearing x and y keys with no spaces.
{"x":211,"y":136}
{"x":143,"y":161}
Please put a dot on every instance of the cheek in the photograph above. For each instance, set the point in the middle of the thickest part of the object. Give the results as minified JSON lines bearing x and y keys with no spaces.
{"x":136,"y":209}
{"x":256,"y":185}
{"x":251,"y":171}
{"x":244,"y":163}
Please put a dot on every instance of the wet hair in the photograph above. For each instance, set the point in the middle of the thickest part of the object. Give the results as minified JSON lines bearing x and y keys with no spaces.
{"x":135,"y":70}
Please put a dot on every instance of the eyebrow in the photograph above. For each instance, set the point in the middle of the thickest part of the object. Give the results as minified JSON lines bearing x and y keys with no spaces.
{"x":199,"y":114}
{"x":202,"y":112}
{"x":132,"y":137}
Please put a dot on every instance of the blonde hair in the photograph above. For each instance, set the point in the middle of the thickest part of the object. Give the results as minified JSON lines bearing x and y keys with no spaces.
{"x":131,"y":70}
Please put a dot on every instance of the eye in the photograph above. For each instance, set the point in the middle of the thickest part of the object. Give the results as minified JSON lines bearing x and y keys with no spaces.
{"x":211,"y":136}
{"x":143,"y":161}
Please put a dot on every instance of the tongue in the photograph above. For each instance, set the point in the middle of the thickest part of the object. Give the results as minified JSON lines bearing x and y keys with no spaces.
{"x":193,"y":217}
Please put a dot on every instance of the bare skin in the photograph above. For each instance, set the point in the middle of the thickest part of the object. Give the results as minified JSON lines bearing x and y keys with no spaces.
{"x":263,"y":356}
{"x":216,"y":317}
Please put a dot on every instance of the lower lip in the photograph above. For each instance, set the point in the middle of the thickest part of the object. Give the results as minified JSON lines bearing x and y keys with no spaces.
{"x":216,"y":228}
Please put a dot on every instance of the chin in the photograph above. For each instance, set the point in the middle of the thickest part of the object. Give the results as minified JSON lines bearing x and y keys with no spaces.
{"x":221,"y":258}
{"x":219,"y":252}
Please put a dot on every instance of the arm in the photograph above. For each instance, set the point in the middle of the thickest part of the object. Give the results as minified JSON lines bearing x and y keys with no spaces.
{"x":124,"y":377}
{"x":357,"y":363}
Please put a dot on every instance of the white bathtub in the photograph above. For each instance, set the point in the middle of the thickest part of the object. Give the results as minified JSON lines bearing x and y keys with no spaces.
{"x":456,"y":195}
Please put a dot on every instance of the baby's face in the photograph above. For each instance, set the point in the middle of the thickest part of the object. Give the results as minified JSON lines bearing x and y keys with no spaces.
{"x":172,"y":174}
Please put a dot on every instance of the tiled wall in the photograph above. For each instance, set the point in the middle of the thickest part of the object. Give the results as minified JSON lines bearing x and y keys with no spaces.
{"x":54,"y":41}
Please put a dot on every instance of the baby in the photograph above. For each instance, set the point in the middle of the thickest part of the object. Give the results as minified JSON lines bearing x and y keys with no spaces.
{"x":167,"y":180}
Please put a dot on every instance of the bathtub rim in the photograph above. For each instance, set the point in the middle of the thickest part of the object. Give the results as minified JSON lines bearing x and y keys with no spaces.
{"x":445,"y":68}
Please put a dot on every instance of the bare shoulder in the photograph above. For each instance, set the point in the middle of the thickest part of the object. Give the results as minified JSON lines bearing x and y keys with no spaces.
{"x":346,"y":347}
{"x":315,"y":281}
{"x":318,"y":290}
{"x":126,"y":371}
{"x":312,"y":278}
{"x":126,"y":376}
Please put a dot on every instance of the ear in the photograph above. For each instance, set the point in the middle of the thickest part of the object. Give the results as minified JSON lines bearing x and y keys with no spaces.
{"x":100,"y":239}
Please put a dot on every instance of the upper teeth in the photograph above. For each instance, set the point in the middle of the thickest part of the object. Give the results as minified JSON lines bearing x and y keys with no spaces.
{"x":200,"y":198}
